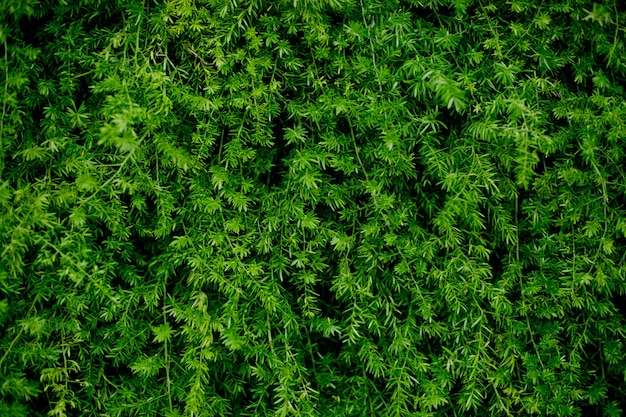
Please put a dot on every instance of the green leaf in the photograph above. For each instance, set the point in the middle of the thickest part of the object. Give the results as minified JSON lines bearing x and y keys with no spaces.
{"x":162,"y":333}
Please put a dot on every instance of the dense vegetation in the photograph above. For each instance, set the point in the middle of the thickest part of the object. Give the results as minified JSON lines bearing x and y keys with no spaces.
{"x":312,"y":208}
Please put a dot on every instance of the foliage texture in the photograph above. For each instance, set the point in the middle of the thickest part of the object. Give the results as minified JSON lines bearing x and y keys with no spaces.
{"x":312,"y":208}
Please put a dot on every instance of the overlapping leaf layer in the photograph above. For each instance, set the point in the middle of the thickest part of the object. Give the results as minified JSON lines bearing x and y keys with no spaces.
{"x":312,"y":208}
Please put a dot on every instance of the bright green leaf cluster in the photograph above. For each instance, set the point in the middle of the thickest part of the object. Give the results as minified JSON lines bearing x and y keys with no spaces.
{"x":312,"y":208}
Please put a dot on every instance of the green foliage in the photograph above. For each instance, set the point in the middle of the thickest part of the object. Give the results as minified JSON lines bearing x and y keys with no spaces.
{"x":312,"y":208}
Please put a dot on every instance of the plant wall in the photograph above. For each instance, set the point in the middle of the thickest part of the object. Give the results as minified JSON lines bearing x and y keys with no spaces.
{"x":312,"y":208}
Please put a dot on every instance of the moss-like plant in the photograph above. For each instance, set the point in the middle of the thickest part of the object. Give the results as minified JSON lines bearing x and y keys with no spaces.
{"x":312,"y":208}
